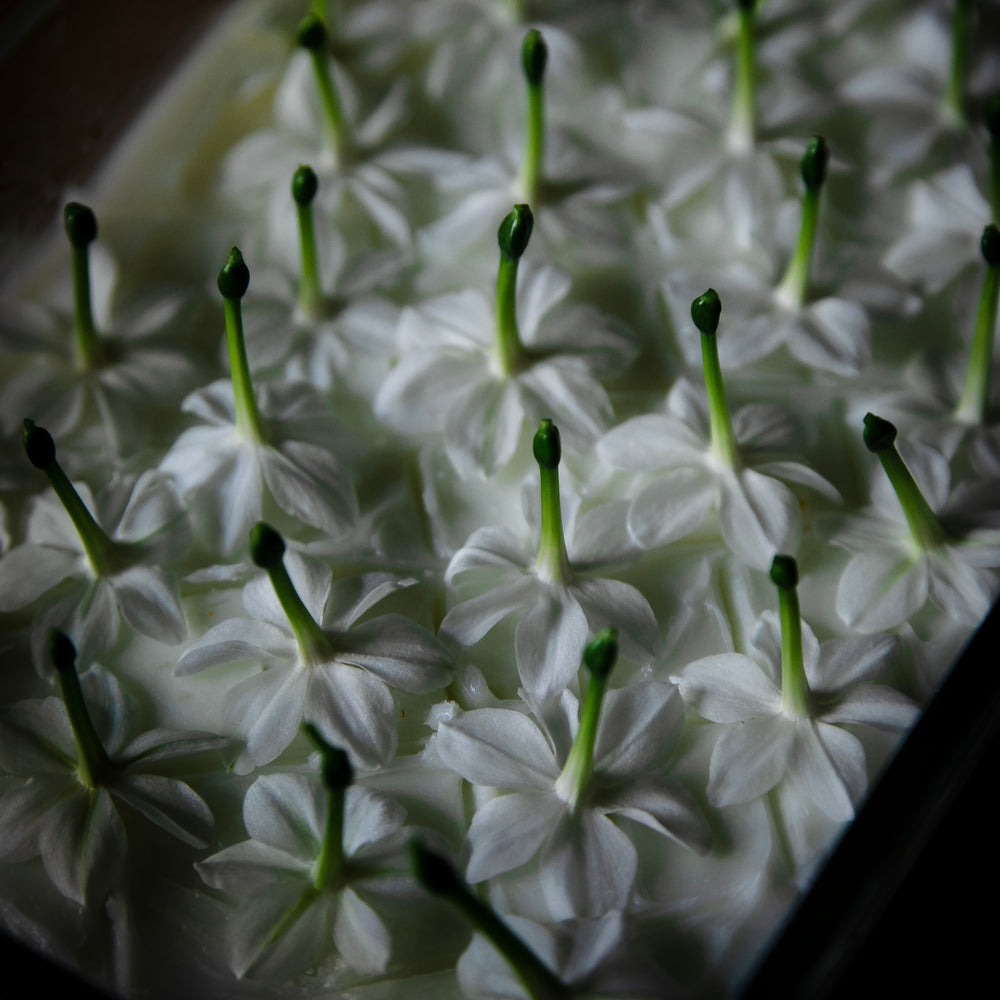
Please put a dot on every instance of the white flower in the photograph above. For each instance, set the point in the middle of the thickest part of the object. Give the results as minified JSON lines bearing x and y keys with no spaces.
{"x":299,"y":464}
{"x":758,"y":514}
{"x":147,"y":530}
{"x":284,"y":924}
{"x":587,"y":863}
{"x":765,"y":741}
{"x":78,"y":829}
{"x":341,"y":686}
{"x":449,"y":380}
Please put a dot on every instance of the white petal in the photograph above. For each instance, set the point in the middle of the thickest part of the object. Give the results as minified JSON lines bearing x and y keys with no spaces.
{"x":729,"y":687}
{"x":287,"y":812}
{"x":360,"y":936}
{"x":280,"y":719}
{"x":637,"y":723}
{"x":758,"y":516}
{"x":148,"y":601}
{"x":672,"y":507}
{"x":28,"y":571}
{"x":230,"y":641}
{"x":497,"y":748}
{"x":812,"y":773}
{"x":874,"y":705}
{"x":880,"y":590}
{"x":399,"y":651}
{"x":548,"y":644}
{"x":168,"y":803}
{"x":664,"y":806}
{"x":749,"y":759}
{"x":508,"y":831}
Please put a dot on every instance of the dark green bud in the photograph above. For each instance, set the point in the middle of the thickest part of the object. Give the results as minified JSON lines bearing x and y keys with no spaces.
{"x":993,"y":116}
{"x":62,"y":652}
{"x":534,"y":56}
{"x":879,"y":434}
{"x":336,"y":769}
{"x":312,"y":34}
{"x":784,"y":572}
{"x":815,"y":162}
{"x":80,"y":223}
{"x":745,"y":4}
{"x":547,"y":445}
{"x":234,"y":278}
{"x":304,"y":185}
{"x":601,"y":653}
{"x":267,"y":547}
{"x":38,"y":445}
{"x":706,"y":310}
{"x":435,"y":873}
{"x":990,"y":245}
{"x":515,"y":231}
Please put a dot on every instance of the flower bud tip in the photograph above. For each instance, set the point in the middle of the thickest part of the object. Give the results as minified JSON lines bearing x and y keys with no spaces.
{"x":311,"y":33}
{"x":433,"y":871}
{"x":878,"y":433}
{"x":784,"y":572}
{"x":601,"y":653}
{"x":990,"y":245}
{"x":304,"y":185}
{"x":534,"y":55}
{"x":515,"y":231}
{"x":234,"y":278}
{"x":706,"y":310}
{"x":62,"y":652}
{"x":267,"y":547}
{"x":38,"y":445}
{"x":80,"y":223}
{"x":815,"y":162}
{"x":547,"y":446}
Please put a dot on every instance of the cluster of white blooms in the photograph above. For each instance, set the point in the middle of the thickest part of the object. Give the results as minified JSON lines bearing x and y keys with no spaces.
{"x":505,"y":577}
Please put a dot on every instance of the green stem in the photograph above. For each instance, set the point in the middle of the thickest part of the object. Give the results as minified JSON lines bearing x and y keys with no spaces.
{"x":87,"y":339}
{"x":333,"y":112}
{"x":794,"y":287}
{"x":509,"y":350}
{"x":329,"y":868}
{"x":248,"y":418}
{"x":552,"y":562}
{"x":993,"y":180}
{"x":538,"y":980}
{"x":743,"y":119}
{"x":975,"y":399}
{"x":310,"y":287}
{"x":954,"y":95}
{"x":534,"y":145}
{"x":284,"y":924}
{"x":794,"y":688}
{"x":99,"y":548}
{"x":572,"y":782}
{"x":926,"y":529}
{"x":93,"y":761}
{"x":313,"y":642}
{"x":723,"y":440}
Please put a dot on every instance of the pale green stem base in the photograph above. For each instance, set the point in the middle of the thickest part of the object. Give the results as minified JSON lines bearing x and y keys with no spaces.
{"x":333,"y":112}
{"x":248,"y":418}
{"x":975,"y":399}
{"x":99,"y":548}
{"x":534,"y":146}
{"x":310,"y":288}
{"x":925,"y":528}
{"x":87,"y":341}
{"x":954,"y":95}
{"x":509,"y":350}
{"x":572,"y":782}
{"x":93,"y":762}
{"x":313,"y":642}
{"x":743,"y":118}
{"x":724,"y":449}
{"x":794,"y":287}
{"x":552,"y":563}
{"x":794,"y":688}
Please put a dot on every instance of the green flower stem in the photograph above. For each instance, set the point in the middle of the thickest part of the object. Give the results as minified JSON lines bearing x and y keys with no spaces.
{"x":705,"y":311}
{"x":599,"y":657}
{"x":743,"y":119}
{"x":794,"y":688}
{"x":516,"y":10}
{"x":794,"y":286}
{"x":100,"y":549}
{"x":234,"y":279}
{"x":304,"y":186}
{"x":993,"y":180}
{"x":313,"y":37}
{"x":81,"y":229}
{"x":437,"y":876}
{"x":267,"y":549}
{"x":329,"y":868}
{"x":958,"y":71}
{"x":975,"y":398}
{"x":512,"y":238}
{"x":552,"y":562}
{"x":93,"y":761}
{"x":925,"y":528}
{"x":534,"y":55}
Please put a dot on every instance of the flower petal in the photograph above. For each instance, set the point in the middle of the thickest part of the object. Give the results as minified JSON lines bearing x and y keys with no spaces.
{"x":749,"y":759}
{"x":508,"y":831}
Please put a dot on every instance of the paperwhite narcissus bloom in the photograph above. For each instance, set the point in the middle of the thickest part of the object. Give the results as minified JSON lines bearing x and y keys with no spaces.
{"x":104,"y":573}
{"x":783,"y":713}
{"x":945,"y":219}
{"x":316,"y":125}
{"x":916,"y":542}
{"x":758,"y":513}
{"x":553,"y":805}
{"x":93,"y":358}
{"x":451,"y":380}
{"x":295,"y":909}
{"x":559,"y":602}
{"x":81,"y":764}
{"x":317,"y":663}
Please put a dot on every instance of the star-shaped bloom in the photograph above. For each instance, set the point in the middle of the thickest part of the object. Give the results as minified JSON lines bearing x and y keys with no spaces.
{"x":130,"y":358}
{"x":344,"y":156}
{"x":785,"y":723}
{"x":940,"y":548}
{"x":549,"y":584}
{"x":284,"y":922}
{"x":684,"y":477}
{"x":318,"y":663}
{"x":91,"y":577}
{"x":550,"y":806}
{"x":449,"y":380}
{"x":67,"y":808}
